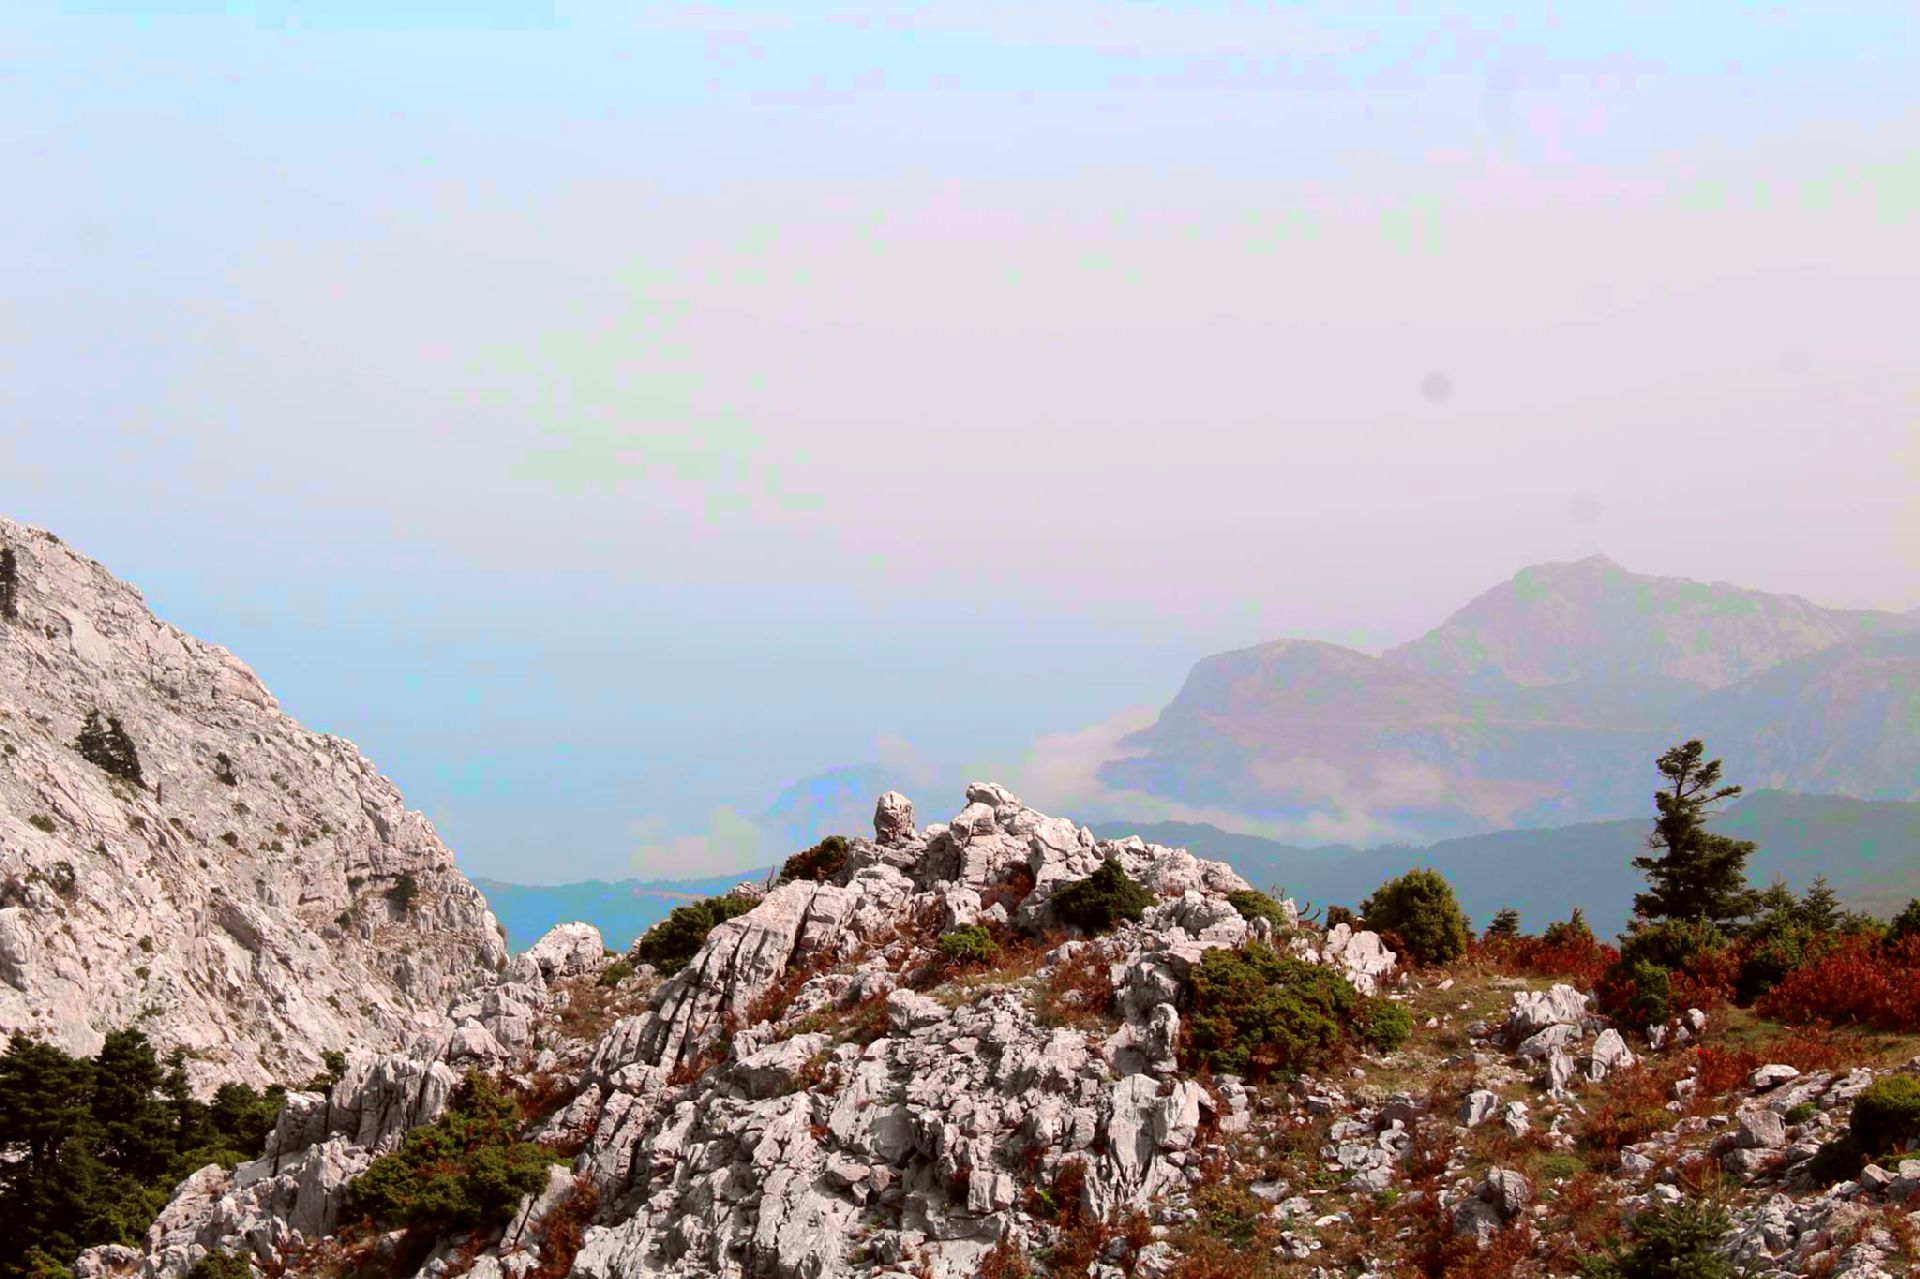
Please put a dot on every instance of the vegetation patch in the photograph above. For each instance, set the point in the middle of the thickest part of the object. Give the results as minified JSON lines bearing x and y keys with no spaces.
{"x":104,"y":743}
{"x":466,"y":1170}
{"x":1253,"y":905}
{"x":1257,"y":1013}
{"x":1098,"y":903}
{"x":91,"y":1148}
{"x":670,"y":944}
{"x":967,"y":945}
{"x":1669,"y":1242}
{"x":821,"y":862}
{"x":1420,"y":909}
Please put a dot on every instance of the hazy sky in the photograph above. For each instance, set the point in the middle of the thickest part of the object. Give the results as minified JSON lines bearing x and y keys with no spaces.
{"x":604,"y":420}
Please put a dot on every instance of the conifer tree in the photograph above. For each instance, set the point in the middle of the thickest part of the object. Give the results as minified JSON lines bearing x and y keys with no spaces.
{"x":103,"y":742}
{"x":1698,"y":875}
{"x":9,"y":584}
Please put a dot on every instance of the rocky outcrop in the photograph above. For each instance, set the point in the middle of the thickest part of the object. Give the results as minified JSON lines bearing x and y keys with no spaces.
{"x":258,"y":895}
{"x":799,"y":1086}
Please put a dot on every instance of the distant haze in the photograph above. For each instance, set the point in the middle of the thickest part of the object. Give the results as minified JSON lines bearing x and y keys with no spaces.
{"x":606,"y":420}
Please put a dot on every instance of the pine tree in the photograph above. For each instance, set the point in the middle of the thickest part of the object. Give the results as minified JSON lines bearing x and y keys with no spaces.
{"x":103,"y":742}
{"x":1506,"y":923}
{"x":9,"y":584}
{"x":1699,"y":875}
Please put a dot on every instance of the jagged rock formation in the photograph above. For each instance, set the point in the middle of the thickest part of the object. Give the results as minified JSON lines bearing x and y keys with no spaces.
{"x":733,"y":1126}
{"x":259,"y":895}
{"x":813,"y":1096}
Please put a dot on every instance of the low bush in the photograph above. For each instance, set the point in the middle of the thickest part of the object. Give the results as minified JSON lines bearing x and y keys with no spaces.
{"x":1857,"y":981}
{"x":968,"y":944}
{"x":1677,"y":1241}
{"x":1385,"y":1025}
{"x":1420,"y":908}
{"x":466,"y":1170}
{"x":821,"y":862}
{"x":1099,"y":902}
{"x":1886,"y":1116}
{"x":403,"y":891}
{"x":1252,"y":905}
{"x":675,"y":940}
{"x":1257,"y":1013}
{"x":220,"y":1264}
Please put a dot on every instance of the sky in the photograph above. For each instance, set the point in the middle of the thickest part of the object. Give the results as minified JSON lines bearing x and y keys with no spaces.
{"x":606,"y":414}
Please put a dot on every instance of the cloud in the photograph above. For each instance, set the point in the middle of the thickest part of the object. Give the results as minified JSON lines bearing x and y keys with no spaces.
{"x":1059,"y":774}
{"x":732,"y":842}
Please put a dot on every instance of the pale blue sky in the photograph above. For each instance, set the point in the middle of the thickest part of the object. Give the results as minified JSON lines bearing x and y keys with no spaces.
{"x":606,"y":419}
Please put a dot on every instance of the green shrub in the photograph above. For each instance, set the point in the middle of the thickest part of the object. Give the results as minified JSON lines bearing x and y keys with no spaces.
{"x":104,"y":743}
{"x":1678,"y":1241}
{"x":1799,"y":1114}
{"x":1254,"y":905}
{"x":335,"y":1063}
{"x":1420,"y":909}
{"x":1571,"y":931}
{"x":1671,"y":944}
{"x":1337,"y":915}
{"x":675,"y":940}
{"x":821,"y":862}
{"x":1257,"y":1012}
{"x":221,"y":1264}
{"x":1650,"y":1003}
{"x":403,"y":891}
{"x":1385,"y":1025}
{"x":615,"y":973}
{"x":464,"y":1171}
{"x":968,"y":944}
{"x":1906,"y":923}
{"x":1887,"y":1115}
{"x":1838,"y":1160}
{"x":1101,"y":900}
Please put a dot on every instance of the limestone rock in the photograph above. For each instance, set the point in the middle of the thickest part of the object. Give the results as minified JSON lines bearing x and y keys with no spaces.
{"x":260,"y":895}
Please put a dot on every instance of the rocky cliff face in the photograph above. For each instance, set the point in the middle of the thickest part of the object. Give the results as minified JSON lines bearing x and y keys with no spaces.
{"x":257,"y":895}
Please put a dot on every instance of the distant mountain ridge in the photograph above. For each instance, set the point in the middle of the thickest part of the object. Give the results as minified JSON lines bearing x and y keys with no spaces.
{"x":1869,"y":850}
{"x":1544,"y":702}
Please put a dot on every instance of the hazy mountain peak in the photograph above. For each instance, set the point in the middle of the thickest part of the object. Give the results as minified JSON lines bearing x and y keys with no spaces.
{"x":1555,"y":623}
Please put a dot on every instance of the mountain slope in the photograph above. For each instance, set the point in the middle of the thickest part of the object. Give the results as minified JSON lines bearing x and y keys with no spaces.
{"x":261,"y":895}
{"x":1542,"y":702}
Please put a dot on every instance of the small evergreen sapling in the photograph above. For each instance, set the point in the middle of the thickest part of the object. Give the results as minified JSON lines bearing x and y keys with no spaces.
{"x":104,"y":743}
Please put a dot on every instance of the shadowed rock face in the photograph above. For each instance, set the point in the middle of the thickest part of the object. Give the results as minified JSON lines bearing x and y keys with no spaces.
{"x":261,"y":895}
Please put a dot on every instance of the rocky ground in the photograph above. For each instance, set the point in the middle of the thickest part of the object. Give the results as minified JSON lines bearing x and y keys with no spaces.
{"x":818,"y":1094}
{"x":258,"y":895}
